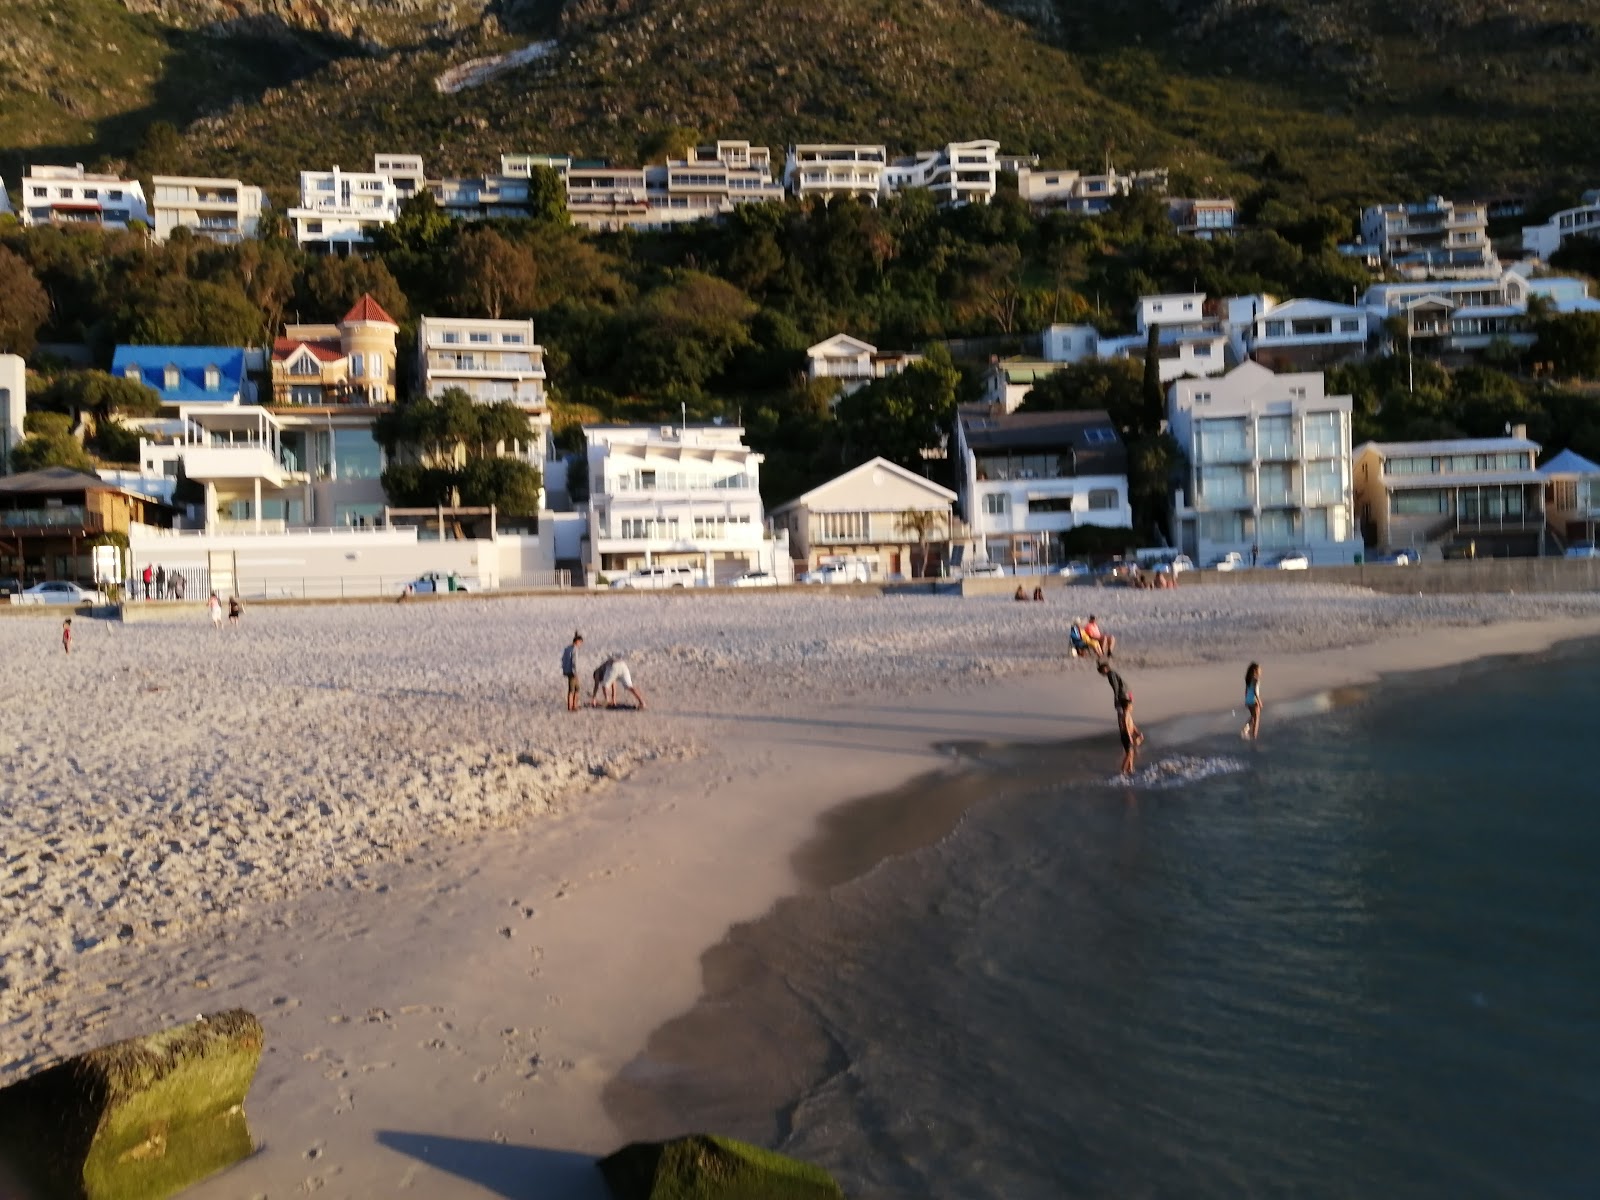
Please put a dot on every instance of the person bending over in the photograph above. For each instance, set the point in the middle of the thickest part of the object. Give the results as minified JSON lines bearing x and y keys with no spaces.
{"x":607,"y":677}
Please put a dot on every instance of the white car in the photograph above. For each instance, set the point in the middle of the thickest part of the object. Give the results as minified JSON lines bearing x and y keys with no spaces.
{"x":434,"y":583}
{"x":754,"y":579}
{"x":657,"y":578}
{"x":837,"y":573}
{"x":1583,"y":550}
{"x":1292,"y":561}
{"x":983,"y":570}
{"x":1231,"y":561}
{"x":1177,"y":564}
{"x":1074,"y":569}
{"x":58,"y":591}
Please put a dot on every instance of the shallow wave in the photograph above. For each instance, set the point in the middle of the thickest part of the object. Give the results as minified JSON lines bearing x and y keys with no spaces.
{"x":1180,"y":770}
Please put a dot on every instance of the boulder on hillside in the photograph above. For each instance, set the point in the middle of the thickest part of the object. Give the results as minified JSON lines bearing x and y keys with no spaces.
{"x":703,"y":1167}
{"x":136,"y":1120}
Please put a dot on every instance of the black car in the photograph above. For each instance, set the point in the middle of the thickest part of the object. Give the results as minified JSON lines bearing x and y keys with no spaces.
{"x":10,"y":587}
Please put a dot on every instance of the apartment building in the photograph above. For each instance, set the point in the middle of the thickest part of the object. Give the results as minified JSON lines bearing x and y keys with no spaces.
{"x":348,"y":363}
{"x":1541,"y":241}
{"x":1024,"y":479}
{"x":1269,"y":467}
{"x":481,"y":197}
{"x":75,"y":197}
{"x":1086,"y":194}
{"x":854,"y":363}
{"x":1436,"y":239}
{"x":187,"y":374}
{"x":1450,"y":315}
{"x":224,"y":210}
{"x":879,"y":514}
{"x":1296,"y":335}
{"x":339,"y":210}
{"x":674,"y":496}
{"x":606,"y":198}
{"x":404,"y":171}
{"x":1479,"y":495}
{"x":958,"y":173}
{"x":494,"y":362}
{"x":711,"y":180}
{"x":830,"y":170}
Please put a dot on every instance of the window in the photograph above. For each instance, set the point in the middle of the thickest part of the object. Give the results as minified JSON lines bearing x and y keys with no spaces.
{"x":846,"y":526}
{"x":512,"y":339}
{"x":996,"y":504}
{"x":170,"y":377}
{"x":1099,"y":437}
{"x":304,"y":364}
{"x":450,"y":338}
{"x":376,"y":367}
{"x":1103,"y":499}
{"x":1348,"y":325}
{"x":358,"y":366}
{"x":481,"y":339}
{"x":1274,"y":329}
{"x":131,"y":371}
{"x":213,"y":379}
{"x":1050,"y":504}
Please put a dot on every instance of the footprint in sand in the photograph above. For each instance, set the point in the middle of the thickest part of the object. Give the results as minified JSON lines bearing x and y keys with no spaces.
{"x":315,"y":1152}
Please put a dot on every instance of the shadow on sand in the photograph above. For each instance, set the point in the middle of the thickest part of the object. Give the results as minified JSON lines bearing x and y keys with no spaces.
{"x":514,"y":1172}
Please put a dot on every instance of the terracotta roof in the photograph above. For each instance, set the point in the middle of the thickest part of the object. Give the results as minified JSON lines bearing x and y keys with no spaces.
{"x":284,"y":348}
{"x":368,"y":309}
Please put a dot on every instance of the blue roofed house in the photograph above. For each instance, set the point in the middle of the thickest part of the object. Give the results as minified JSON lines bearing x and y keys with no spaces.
{"x":188,"y":374}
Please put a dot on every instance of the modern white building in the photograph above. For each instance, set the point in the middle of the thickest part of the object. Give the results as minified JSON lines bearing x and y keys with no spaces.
{"x":224,"y":210}
{"x":1296,"y":335}
{"x":13,"y":406}
{"x":1436,"y":239}
{"x":404,"y":171}
{"x":854,"y":363}
{"x":1453,"y":315}
{"x":1024,"y":479}
{"x":494,"y":362}
{"x":889,"y":519}
{"x":673,"y":495}
{"x":710,"y":181}
{"x":958,"y":173}
{"x":1190,"y":338}
{"x":339,"y":210}
{"x":1077,"y":192}
{"x":73,"y":196}
{"x":831,"y":170}
{"x":1541,"y":241}
{"x":1269,"y":467}
{"x":5,"y":200}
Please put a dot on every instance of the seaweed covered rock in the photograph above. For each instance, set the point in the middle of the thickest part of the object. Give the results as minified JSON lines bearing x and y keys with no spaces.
{"x":703,"y":1167}
{"x":135,"y":1120}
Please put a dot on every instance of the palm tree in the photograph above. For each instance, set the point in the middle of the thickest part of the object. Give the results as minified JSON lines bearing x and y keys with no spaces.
{"x":921,"y":524}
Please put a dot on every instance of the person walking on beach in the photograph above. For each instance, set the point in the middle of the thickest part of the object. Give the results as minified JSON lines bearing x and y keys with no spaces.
{"x":214,"y":607}
{"x":66,"y":636}
{"x":161,"y":583}
{"x":1122,"y":698}
{"x":569,"y":668}
{"x":234,"y":609}
{"x":1252,"y":702}
{"x":607,"y":676}
{"x":1255,"y":553}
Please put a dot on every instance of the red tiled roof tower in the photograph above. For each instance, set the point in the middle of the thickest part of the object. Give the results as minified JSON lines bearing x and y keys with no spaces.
{"x":368,"y":309}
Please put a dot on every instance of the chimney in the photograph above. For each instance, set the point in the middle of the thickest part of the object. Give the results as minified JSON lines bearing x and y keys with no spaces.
{"x":1519,"y":431}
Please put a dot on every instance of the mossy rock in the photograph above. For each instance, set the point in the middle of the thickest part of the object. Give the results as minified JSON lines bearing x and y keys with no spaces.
{"x":703,"y":1167}
{"x":137,"y":1120}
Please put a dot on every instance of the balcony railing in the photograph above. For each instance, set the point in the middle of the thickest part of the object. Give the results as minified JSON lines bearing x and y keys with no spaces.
{"x":67,"y":516}
{"x":1278,"y":450}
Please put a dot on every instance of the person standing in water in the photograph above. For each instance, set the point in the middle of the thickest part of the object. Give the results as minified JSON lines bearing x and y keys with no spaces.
{"x":1122,"y":698}
{"x":1252,"y":701}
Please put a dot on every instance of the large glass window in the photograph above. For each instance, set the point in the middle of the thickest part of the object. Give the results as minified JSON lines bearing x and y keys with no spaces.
{"x":1222,"y":526}
{"x":1324,"y":435}
{"x":1103,"y":499}
{"x":1275,"y":438}
{"x":1224,"y":439}
{"x":1421,"y":502}
{"x":996,"y":504}
{"x":1224,"y":485}
{"x":356,"y":455}
{"x":1324,"y":482}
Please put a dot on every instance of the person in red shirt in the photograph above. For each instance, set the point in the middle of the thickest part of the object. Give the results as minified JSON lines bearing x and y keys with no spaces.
{"x":1102,"y":642}
{"x":66,"y":636}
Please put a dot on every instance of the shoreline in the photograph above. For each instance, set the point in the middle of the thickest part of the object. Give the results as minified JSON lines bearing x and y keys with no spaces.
{"x":455,"y":1024}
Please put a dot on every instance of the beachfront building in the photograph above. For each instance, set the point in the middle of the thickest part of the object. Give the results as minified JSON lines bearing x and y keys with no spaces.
{"x":958,"y":173}
{"x":494,"y":362}
{"x":13,"y":406}
{"x":879,"y":514}
{"x":351,"y":362}
{"x":187,"y":374}
{"x":74,"y":197}
{"x":223,"y":210}
{"x":49,"y":518}
{"x":854,"y":363}
{"x":339,"y":210}
{"x":674,"y":495}
{"x":1583,"y":221}
{"x":1269,"y":466}
{"x":1085,"y":194}
{"x":831,"y":170}
{"x":1572,"y":496}
{"x":1296,"y":335}
{"x":1481,"y":497}
{"x":1449,"y":316}
{"x":1436,"y":239}
{"x":1025,"y":479}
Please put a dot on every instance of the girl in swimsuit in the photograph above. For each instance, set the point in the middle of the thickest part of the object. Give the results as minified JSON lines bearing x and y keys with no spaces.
{"x":1252,"y":701}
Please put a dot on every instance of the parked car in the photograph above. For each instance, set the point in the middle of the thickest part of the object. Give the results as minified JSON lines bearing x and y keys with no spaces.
{"x":1076,"y":569}
{"x":10,"y":587}
{"x":1177,"y":564}
{"x":433,"y":583}
{"x":1231,"y":561}
{"x":754,"y":579}
{"x":656,"y":578}
{"x":837,"y":573}
{"x":1292,"y":561}
{"x":983,"y":570}
{"x":1583,"y":550}
{"x":1403,"y":558}
{"x":58,"y":591}
{"x":1118,"y":568}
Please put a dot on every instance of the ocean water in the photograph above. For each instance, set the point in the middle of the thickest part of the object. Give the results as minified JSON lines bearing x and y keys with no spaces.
{"x":1358,"y":959}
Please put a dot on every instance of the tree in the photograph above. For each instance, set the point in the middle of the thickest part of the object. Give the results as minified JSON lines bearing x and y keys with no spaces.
{"x":334,"y":284}
{"x":24,"y":305}
{"x":1570,"y":342}
{"x":103,"y":395}
{"x":494,"y":276}
{"x":547,"y":196}
{"x":507,"y":484}
{"x":994,"y":286}
{"x":680,"y":336}
{"x":1155,"y":398}
{"x":454,"y":451}
{"x":1115,"y":385}
{"x":901,"y":416}
{"x":921,"y":524}
{"x":49,"y":442}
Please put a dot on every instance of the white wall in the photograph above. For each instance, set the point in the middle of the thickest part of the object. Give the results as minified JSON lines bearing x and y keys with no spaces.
{"x":13,"y":406}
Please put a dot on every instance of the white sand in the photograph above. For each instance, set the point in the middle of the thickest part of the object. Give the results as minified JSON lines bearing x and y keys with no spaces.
{"x":377,"y":826}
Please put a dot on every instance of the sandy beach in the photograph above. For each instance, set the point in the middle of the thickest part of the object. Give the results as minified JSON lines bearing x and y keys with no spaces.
{"x":459,"y":909}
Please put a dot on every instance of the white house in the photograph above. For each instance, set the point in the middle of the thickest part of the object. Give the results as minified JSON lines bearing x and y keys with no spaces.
{"x":663,"y":495}
{"x":339,"y":210}
{"x":1080,"y":193}
{"x":224,"y":210}
{"x":1542,"y":241}
{"x":73,"y":196}
{"x":958,"y":173}
{"x":1563,"y":294}
{"x":492,"y":361}
{"x":1189,"y":339}
{"x":404,"y":171}
{"x":1288,"y":335}
{"x":1435,"y":239}
{"x":1025,"y":479}
{"x":1452,"y":314}
{"x":880,"y":514}
{"x":830,"y":170}
{"x":1269,"y":467}
{"x":854,"y":363}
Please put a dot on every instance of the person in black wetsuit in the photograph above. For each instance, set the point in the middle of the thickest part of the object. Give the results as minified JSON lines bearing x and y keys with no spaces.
{"x":1122,"y":698}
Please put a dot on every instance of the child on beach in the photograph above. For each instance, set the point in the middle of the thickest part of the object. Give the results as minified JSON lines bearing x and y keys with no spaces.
{"x":569,"y":668}
{"x":234,"y":609}
{"x":1252,"y":701}
{"x":214,"y":607}
{"x":1122,"y":698}
{"x":66,"y":636}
